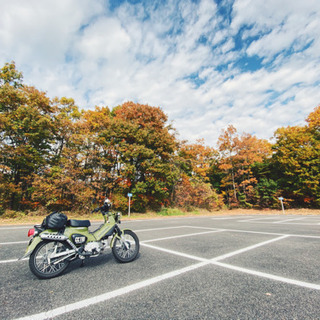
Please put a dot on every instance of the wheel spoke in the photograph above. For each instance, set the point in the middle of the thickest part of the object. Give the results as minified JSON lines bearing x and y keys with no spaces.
{"x":126,"y":248}
{"x":44,"y":259}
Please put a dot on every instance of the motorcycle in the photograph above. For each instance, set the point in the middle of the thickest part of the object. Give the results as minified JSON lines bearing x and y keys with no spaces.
{"x":58,"y":241}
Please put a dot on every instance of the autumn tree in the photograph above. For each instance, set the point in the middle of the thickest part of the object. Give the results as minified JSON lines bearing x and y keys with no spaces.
{"x":136,"y":148}
{"x":65,"y":182}
{"x":238,"y":156}
{"x":26,"y":124}
{"x":196,"y":159}
{"x":193,"y":189}
{"x":191,"y":194}
{"x":227,"y":164}
{"x":313,"y":121}
{"x":297,"y":155}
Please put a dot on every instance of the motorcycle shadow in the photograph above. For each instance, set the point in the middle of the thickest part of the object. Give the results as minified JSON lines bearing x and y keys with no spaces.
{"x":94,"y":262}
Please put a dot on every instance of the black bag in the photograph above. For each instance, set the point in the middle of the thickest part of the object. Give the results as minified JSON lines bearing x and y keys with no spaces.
{"x":55,"y":220}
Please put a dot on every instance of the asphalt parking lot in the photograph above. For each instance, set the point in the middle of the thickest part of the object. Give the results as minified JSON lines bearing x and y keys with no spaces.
{"x":230,"y":267}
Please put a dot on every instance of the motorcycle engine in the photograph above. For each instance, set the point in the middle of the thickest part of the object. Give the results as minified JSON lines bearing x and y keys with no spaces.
{"x":93,"y":247}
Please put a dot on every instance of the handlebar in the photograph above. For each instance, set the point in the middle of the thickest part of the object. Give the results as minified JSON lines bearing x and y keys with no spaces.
{"x":103,"y":208}
{"x":105,"y":211}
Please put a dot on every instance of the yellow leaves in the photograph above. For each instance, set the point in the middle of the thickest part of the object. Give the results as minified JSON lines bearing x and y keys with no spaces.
{"x":197,"y":158}
{"x":225,"y":166}
{"x":9,"y":75}
{"x":314,"y":119}
{"x":237,"y":156}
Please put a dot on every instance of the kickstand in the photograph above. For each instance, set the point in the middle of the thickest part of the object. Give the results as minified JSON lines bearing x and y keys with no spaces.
{"x":82,"y":264}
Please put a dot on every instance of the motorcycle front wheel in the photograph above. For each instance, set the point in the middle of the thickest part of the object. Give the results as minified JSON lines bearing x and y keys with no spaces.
{"x":126,"y":249}
{"x":43,"y":262}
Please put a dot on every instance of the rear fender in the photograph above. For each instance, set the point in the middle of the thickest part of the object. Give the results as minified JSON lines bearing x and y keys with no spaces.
{"x":31,"y":246}
{"x":43,"y":236}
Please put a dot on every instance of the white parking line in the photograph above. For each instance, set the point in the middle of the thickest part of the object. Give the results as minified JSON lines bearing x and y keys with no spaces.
{"x":165,"y":228}
{"x":269,"y":276}
{"x":110,"y":295}
{"x":177,"y":253}
{"x":232,"y":217}
{"x":228,"y":255}
{"x":261,"y":232}
{"x":204,"y":228}
{"x":13,"y":260}
{"x":215,"y":261}
{"x":12,"y":228}
{"x":288,"y":220}
{"x":183,"y":235}
{"x":142,"y":284}
{"x":224,"y":256}
{"x":256,"y":219}
{"x":297,"y":223}
{"x":15,"y":242}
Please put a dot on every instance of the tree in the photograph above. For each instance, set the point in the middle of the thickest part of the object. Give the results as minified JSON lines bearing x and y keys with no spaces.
{"x":10,"y":76}
{"x":196,"y":159}
{"x":227,"y":148}
{"x":250,"y":150}
{"x":193,"y":189}
{"x":27,"y":131}
{"x":313,"y":120}
{"x":136,"y":150}
{"x":297,"y":155}
{"x":65,"y":183}
{"x":194,"y":193}
{"x":238,"y":154}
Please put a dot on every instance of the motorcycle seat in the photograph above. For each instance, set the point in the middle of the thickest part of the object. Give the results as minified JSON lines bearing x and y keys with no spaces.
{"x":78,"y":223}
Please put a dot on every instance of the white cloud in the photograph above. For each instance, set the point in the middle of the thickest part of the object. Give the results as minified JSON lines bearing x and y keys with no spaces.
{"x":42,"y":31}
{"x":278,"y":24}
{"x":181,"y":55}
{"x":104,"y":39}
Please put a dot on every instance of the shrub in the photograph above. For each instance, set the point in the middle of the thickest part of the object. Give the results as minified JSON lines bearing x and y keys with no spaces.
{"x":195,"y":194}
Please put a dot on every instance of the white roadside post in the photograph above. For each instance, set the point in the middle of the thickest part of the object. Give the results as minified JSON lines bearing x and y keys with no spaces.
{"x":129,"y":196}
{"x":281,"y":200}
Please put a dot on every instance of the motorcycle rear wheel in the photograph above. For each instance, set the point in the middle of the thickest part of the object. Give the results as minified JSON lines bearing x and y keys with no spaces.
{"x":127,"y":248}
{"x":42,"y":265}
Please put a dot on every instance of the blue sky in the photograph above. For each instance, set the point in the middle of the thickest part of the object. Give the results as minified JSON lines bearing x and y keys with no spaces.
{"x":207,"y":63}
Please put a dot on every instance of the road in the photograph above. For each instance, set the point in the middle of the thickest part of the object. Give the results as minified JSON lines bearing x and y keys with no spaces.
{"x":230,"y":267}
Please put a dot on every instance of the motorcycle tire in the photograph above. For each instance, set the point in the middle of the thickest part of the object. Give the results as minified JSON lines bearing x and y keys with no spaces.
{"x":40,"y":263}
{"x":126,"y":250}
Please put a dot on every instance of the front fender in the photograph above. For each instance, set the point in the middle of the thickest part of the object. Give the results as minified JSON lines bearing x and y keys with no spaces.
{"x":117,"y":236}
{"x":31,"y":246}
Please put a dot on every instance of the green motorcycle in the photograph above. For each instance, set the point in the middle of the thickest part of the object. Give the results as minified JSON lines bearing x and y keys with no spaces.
{"x":57,"y":241}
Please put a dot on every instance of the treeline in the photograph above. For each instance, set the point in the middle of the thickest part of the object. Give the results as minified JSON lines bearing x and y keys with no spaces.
{"x":57,"y":157}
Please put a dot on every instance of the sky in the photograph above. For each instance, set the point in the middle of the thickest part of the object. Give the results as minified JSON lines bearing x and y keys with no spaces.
{"x":254,"y":64}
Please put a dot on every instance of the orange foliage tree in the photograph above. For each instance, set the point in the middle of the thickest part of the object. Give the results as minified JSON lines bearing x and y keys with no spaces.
{"x":237,"y":156}
{"x":193,"y":190}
